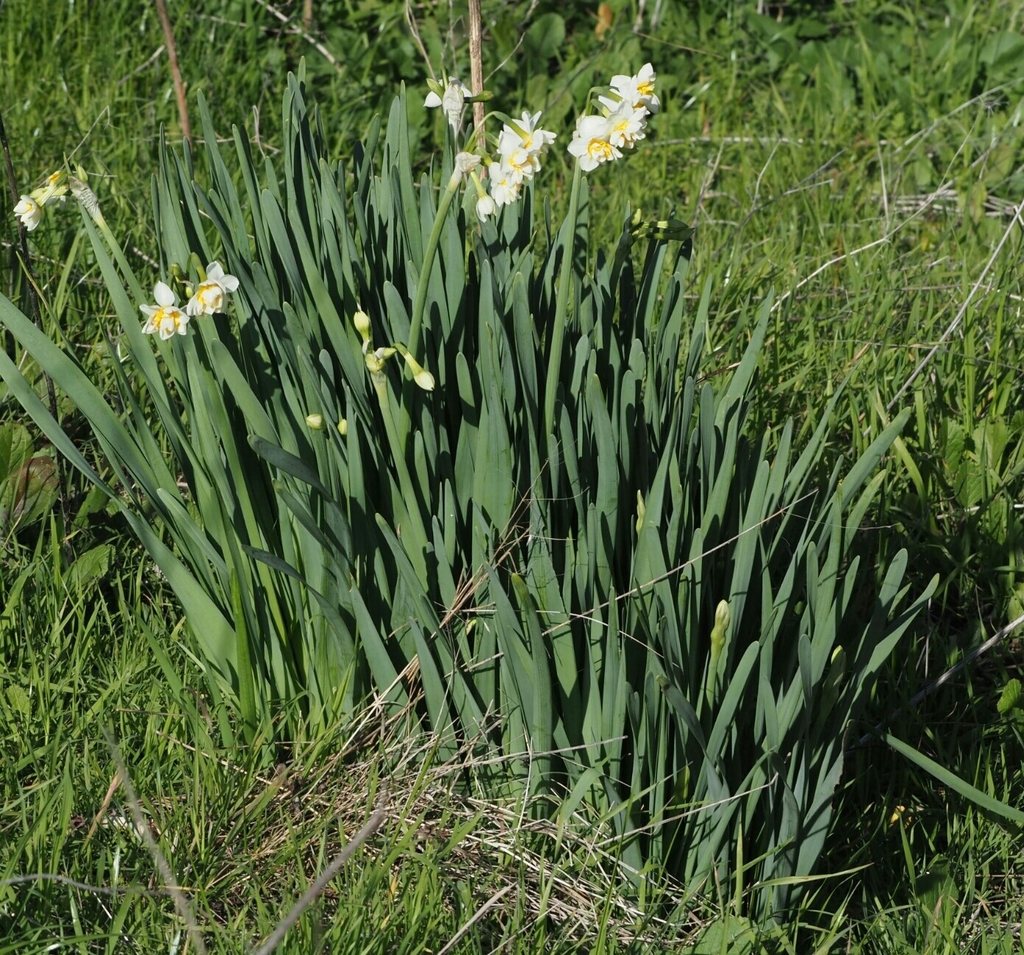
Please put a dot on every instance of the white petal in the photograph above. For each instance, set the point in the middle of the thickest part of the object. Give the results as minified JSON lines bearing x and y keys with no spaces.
{"x":163,"y":294}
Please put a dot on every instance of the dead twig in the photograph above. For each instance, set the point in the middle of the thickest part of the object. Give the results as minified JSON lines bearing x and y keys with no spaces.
{"x":172,"y":56}
{"x":315,"y":890}
{"x":171,"y":886}
{"x":476,"y":64}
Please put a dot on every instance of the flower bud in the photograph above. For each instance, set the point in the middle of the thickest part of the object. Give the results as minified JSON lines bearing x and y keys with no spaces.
{"x":722,"y":615}
{"x":375,"y":359}
{"x":362,"y":323}
{"x":420,"y":375}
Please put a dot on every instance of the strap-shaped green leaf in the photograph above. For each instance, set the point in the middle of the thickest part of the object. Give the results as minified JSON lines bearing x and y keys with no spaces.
{"x":971,"y":793}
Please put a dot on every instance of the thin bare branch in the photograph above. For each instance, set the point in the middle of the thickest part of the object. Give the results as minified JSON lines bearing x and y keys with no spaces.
{"x":84,"y":886}
{"x":476,"y":916}
{"x":476,"y":64}
{"x":315,"y":890}
{"x":312,"y":41}
{"x":171,"y":886}
{"x":172,"y":56}
{"x":958,"y":318}
{"x":992,"y":641}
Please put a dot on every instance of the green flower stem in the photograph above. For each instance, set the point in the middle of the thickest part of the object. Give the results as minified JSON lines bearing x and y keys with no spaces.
{"x":561,"y":307}
{"x":428,"y":261}
{"x":414,"y":530}
{"x":115,"y":249}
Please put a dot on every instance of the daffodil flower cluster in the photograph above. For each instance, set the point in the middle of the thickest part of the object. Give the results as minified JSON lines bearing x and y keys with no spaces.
{"x":29,"y":209}
{"x":622,"y":122}
{"x":167,"y":319}
{"x":625,"y":106}
{"x":520,"y":145}
{"x":55,"y":188}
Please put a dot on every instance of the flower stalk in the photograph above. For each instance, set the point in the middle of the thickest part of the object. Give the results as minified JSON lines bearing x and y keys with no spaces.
{"x":420,"y":303}
{"x":561,"y":305}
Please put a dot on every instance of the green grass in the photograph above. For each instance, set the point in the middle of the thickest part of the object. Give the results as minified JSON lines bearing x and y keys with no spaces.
{"x":859,"y":159}
{"x":245,"y":843}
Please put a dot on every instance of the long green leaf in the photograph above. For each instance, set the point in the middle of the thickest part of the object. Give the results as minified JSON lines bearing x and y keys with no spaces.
{"x":971,"y":793}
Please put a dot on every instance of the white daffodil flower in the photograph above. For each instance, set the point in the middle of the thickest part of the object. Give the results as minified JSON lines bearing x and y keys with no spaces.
{"x":525,"y":134}
{"x":452,"y":101}
{"x":627,"y":125}
{"x":505,"y":185}
{"x":638,"y":90}
{"x":209,"y":297}
{"x":521,"y":163}
{"x":165,"y":318}
{"x":591,"y":142}
{"x":520,"y":145}
{"x":29,"y":212}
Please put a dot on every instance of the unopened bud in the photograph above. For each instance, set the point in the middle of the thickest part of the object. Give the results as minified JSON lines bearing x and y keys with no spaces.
{"x":420,"y":375}
{"x":362,"y":323}
{"x":722,"y":615}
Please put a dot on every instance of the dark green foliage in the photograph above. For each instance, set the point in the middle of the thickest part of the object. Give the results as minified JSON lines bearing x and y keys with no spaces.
{"x":661,"y":609}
